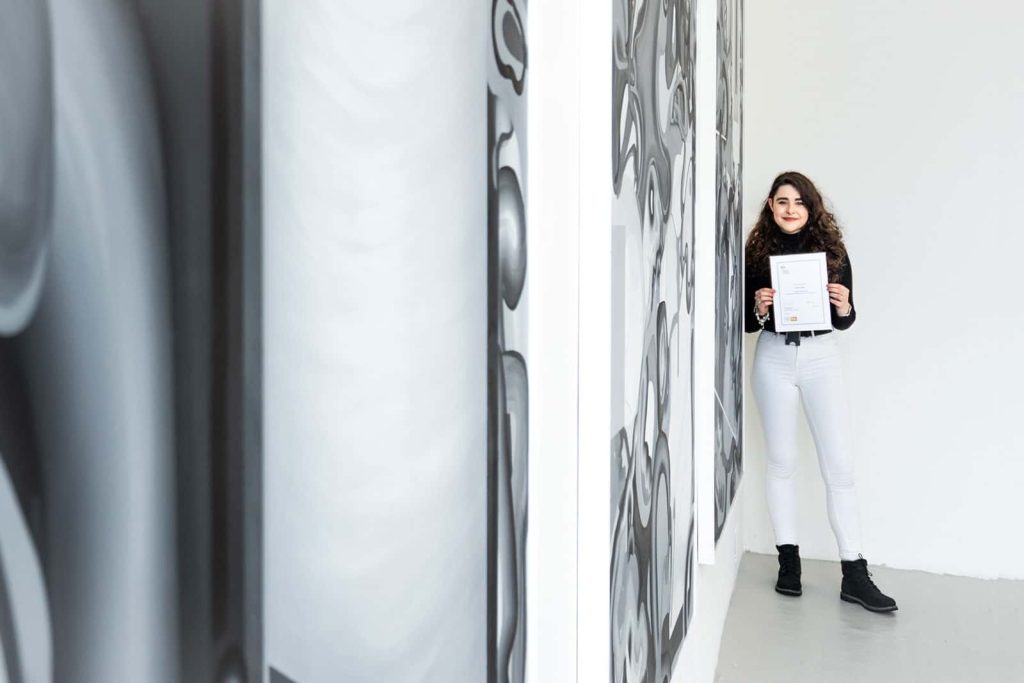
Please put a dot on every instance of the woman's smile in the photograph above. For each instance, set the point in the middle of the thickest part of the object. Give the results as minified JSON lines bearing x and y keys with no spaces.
{"x":788,"y":209}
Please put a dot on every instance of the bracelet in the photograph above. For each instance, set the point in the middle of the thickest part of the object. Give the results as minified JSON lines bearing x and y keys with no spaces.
{"x":761,"y":320}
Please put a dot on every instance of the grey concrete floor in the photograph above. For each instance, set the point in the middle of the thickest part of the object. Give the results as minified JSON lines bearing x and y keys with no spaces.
{"x":948,"y":628}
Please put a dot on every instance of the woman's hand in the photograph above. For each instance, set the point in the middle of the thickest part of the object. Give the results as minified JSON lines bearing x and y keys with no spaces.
{"x":839,"y":295}
{"x":763,"y":298}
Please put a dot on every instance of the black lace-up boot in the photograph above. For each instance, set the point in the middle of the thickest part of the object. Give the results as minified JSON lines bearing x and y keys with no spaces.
{"x":859,"y":588}
{"x":789,"y":570}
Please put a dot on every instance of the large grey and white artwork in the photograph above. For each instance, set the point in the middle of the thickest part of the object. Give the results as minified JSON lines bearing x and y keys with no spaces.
{"x":120,"y":336}
{"x":508,"y":393}
{"x":86,"y":365}
{"x":26,"y":191}
{"x":729,"y":261}
{"x":652,"y":492}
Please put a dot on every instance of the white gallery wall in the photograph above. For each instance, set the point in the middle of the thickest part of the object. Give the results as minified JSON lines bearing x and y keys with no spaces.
{"x":593,"y":66}
{"x":908,"y":117}
{"x":553,"y":272}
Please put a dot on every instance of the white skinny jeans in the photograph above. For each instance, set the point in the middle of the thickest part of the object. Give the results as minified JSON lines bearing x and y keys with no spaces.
{"x":812,"y":372}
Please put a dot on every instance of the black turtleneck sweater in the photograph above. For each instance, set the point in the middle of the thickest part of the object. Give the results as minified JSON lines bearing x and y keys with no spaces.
{"x":794,"y":244}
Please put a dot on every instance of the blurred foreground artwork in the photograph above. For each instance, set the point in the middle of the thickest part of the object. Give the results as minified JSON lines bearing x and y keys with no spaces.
{"x":122,"y":306}
{"x":396,"y":363}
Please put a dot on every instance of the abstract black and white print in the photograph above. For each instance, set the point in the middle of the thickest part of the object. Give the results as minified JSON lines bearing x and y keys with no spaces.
{"x":507,"y":431}
{"x":652,"y":525}
{"x":729,"y":261}
{"x":125,"y":189}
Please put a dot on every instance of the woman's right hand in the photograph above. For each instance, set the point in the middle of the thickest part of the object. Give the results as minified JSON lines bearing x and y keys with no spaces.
{"x":764,"y":298}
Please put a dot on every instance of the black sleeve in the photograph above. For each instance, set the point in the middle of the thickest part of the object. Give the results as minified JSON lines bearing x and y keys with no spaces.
{"x":845,"y":278}
{"x":751,"y":285}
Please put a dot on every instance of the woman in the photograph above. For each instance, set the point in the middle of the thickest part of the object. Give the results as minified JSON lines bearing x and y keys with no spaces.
{"x":805,"y":366}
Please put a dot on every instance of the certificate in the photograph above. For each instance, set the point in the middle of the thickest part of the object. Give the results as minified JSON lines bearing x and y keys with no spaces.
{"x":800,"y":282}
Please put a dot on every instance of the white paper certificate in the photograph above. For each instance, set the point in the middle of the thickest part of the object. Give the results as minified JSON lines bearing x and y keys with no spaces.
{"x":801,"y":292}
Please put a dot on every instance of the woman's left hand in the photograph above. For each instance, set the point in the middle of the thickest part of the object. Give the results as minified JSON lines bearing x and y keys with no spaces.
{"x":839,"y":295}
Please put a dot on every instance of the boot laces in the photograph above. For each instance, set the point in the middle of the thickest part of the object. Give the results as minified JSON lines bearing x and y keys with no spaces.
{"x":865,"y":578}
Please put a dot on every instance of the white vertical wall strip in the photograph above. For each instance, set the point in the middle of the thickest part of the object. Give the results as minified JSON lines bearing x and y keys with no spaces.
{"x":595,"y":217}
{"x":704,"y":286}
{"x":375,"y":323}
{"x":552,"y":220}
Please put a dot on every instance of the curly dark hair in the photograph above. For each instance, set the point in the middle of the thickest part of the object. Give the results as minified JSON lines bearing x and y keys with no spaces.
{"x":823,"y":232}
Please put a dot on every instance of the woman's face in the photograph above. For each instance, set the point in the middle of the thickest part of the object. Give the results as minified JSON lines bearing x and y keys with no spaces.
{"x":788,"y":209}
